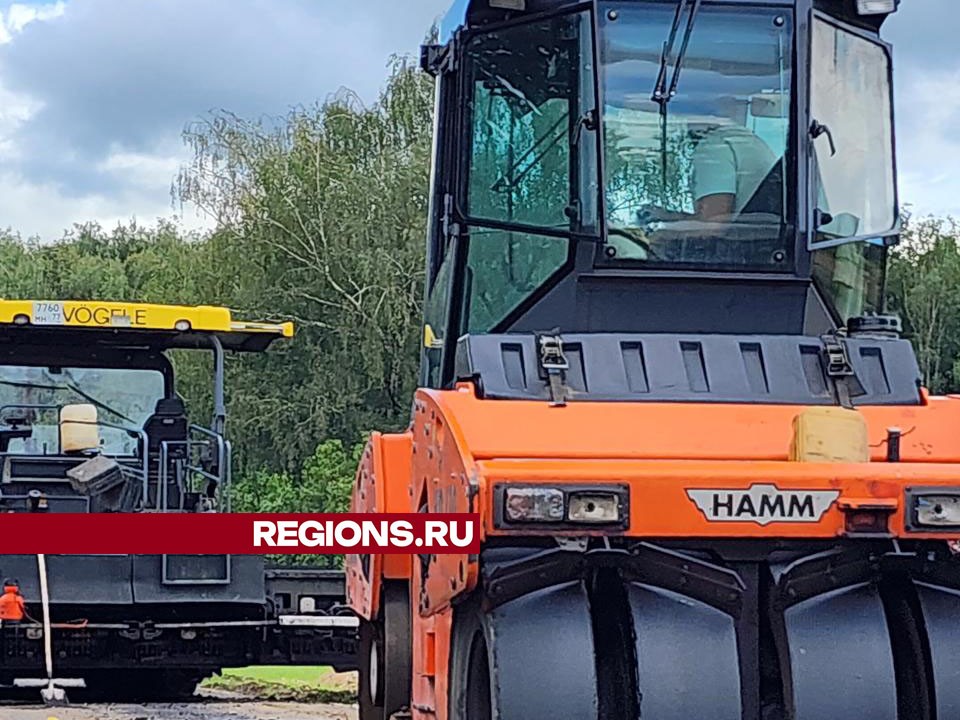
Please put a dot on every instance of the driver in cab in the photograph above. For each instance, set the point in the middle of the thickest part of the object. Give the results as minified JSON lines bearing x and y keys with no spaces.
{"x":730,"y":166}
{"x":732,"y":174}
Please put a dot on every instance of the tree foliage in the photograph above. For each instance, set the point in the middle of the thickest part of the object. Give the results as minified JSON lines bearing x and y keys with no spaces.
{"x":924,"y":288}
{"x":322,"y":486}
{"x":321,"y":219}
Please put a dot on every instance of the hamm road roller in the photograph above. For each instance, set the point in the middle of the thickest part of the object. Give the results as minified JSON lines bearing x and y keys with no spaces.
{"x":657,"y":364}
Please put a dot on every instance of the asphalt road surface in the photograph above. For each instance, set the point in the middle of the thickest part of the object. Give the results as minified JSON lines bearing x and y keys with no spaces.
{"x":207,"y":710}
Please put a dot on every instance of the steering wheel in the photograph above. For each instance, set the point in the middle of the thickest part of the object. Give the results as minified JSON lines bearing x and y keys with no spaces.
{"x":634,"y":238}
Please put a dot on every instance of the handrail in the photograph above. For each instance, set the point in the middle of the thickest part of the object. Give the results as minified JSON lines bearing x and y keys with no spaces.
{"x":223,"y":462}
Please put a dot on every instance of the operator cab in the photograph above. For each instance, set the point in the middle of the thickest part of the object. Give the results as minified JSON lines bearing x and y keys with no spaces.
{"x":90,"y":416}
{"x":637,"y":167}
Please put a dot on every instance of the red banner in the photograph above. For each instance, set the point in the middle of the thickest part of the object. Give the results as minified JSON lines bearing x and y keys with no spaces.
{"x":236,"y":534}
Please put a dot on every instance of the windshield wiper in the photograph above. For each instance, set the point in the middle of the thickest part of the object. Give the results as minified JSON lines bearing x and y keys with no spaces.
{"x":99,"y":404}
{"x":661,"y":93}
{"x":73,"y":388}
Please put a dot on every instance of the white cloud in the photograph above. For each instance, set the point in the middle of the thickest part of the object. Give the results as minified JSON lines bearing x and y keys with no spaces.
{"x":929,"y":142}
{"x":143,"y":169}
{"x":44,"y":210}
{"x":41,"y":210}
{"x":94,"y":93}
{"x":19,"y":15}
{"x":17,"y":108}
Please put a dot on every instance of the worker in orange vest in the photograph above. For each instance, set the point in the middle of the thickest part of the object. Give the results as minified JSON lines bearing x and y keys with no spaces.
{"x":11,"y":602}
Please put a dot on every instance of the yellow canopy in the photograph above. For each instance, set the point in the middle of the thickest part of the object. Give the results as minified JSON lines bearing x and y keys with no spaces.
{"x":173,"y":325}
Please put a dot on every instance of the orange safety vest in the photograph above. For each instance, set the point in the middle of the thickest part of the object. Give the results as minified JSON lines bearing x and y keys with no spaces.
{"x":11,"y":604}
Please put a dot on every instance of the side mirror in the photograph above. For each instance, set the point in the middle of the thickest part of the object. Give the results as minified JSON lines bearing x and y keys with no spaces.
{"x":835,"y":227}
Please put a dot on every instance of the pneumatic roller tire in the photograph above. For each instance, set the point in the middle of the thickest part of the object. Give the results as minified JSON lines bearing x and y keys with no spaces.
{"x":367,"y":680}
{"x":687,"y":657}
{"x":385,"y":652}
{"x":396,"y":677}
{"x":529,"y":659}
{"x":839,"y":657}
{"x":471,"y":681}
{"x":940,"y":607}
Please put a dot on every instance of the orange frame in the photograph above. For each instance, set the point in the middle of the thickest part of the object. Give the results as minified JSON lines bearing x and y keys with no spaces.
{"x":460,"y":448}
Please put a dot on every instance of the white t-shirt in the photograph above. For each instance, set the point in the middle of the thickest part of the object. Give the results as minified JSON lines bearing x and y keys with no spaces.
{"x":731,"y":160}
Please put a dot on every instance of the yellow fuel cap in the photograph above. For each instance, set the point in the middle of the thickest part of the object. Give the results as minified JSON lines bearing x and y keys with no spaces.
{"x":830,"y":435}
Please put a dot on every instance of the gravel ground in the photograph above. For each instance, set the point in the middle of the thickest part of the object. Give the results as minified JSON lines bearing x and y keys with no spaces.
{"x":197,"y":711}
{"x":210,"y":708}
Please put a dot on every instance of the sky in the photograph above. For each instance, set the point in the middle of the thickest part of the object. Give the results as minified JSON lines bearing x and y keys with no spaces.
{"x":94,"y":94}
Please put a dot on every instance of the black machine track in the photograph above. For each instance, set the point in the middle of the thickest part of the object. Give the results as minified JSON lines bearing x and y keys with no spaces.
{"x":860,"y":633}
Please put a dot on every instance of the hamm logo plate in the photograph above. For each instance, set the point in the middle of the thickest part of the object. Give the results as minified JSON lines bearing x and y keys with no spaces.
{"x":764,"y":504}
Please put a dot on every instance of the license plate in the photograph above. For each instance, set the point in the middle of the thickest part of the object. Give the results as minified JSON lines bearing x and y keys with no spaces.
{"x":48,"y":313}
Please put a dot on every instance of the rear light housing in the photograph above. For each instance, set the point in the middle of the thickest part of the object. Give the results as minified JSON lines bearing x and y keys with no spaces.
{"x":533,"y":505}
{"x":868,"y":517}
{"x":594,"y":508}
{"x":933,"y":509}
{"x":558,"y":507}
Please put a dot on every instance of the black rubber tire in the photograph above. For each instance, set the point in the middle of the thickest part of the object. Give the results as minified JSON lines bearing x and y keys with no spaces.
{"x":369,"y":633}
{"x":470,"y":688}
{"x":386,"y":690}
{"x":137,"y":686}
{"x":397,"y":666}
{"x":909,"y":649}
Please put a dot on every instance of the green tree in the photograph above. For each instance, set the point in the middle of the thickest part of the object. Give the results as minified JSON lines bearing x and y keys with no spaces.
{"x":321,"y":219}
{"x":924,"y":288}
{"x":323,"y":485}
